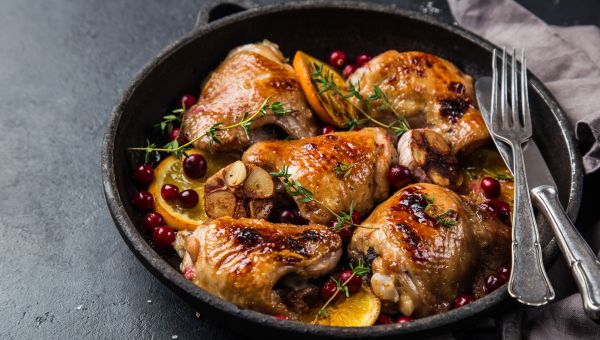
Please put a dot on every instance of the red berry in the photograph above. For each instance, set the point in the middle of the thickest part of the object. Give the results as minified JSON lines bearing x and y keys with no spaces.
{"x":503,"y":274}
{"x":152,"y":221}
{"x":496,"y":208}
{"x":327,"y":129}
{"x":194,"y":166}
{"x":289,"y":216}
{"x":363,"y":59}
{"x":188,"y":100}
{"x":176,"y":133}
{"x":143,"y":174}
{"x":163,"y":237}
{"x":356,"y":128}
{"x":383,"y":319}
{"x":188,"y":198}
{"x":169,"y":192}
{"x":355,"y":281}
{"x":462,"y":300}
{"x":356,"y":217}
{"x":403,"y":319}
{"x":348,"y":70}
{"x":328,"y":290}
{"x":143,"y":200}
{"x":337,"y":58}
{"x":492,"y":283}
{"x":490,"y":187}
{"x":282,"y":317}
{"x":399,"y":176}
{"x":345,"y":234}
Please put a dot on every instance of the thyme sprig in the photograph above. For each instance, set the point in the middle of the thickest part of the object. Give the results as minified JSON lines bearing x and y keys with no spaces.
{"x":342,"y":169}
{"x":324,"y":81}
{"x":295,"y":189}
{"x":497,"y":175}
{"x":170,"y":120}
{"x":179,"y":151}
{"x":342,"y":286}
{"x":445,"y":219}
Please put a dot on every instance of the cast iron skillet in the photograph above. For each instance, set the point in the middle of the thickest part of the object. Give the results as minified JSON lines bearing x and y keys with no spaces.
{"x":316,"y":27}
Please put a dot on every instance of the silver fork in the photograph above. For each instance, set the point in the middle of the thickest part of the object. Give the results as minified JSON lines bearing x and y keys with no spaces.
{"x":528,"y":280}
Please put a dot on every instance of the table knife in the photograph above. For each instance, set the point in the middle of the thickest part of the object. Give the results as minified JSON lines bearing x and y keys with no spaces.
{"x":581,"y":259}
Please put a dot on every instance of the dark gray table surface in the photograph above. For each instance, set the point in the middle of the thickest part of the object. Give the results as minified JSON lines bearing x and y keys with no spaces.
{"x":65,"y":272}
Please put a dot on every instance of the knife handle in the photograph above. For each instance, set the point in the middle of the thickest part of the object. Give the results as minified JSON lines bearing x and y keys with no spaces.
{"x":581,"y":259}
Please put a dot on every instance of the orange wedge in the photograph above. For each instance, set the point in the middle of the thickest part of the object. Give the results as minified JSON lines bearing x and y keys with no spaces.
{"x":170,"y":171}
{"x":330,"y":107}
{"x":359,"y":310}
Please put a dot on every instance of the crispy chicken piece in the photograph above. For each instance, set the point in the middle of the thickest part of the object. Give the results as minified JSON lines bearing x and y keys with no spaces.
{"x":245,"y":79}
{"x":427,"y":247}
{"x":430,"y":91}
{"x":362,"y":159}
{"x":241,"y":261}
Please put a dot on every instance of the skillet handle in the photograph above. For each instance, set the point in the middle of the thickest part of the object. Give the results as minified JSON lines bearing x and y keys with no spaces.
{"x":217,"y":9}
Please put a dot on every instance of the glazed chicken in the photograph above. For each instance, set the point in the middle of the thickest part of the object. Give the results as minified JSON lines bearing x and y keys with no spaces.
{"x":340,"y":169}
{"x":241,"y":261}
{"x":430,"y":91}
{"x":245,"y":79}
{"x":427,"y":247}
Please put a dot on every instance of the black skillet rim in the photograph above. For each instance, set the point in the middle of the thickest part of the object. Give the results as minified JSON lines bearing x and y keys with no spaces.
{"x":172,"y":278}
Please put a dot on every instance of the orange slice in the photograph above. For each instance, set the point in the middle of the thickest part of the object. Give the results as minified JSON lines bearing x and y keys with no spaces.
{"x":170,"y":171}
{"x":330,"y":107}
{"x":359,"y":310}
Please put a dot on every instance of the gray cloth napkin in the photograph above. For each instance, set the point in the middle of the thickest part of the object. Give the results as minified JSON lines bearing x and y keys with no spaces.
{"x":567,"y":60}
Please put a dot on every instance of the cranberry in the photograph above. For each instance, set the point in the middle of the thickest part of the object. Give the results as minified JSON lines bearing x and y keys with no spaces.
{"x":194,"y":166}
{"x":345,"y":234}
{"x":496,"y":208}
{"x":327,"y":129}
{"x":188,"y":198}
{"x":169,"y":192}
{"x":163,"y":237}
{"x":503,"y":274}
{"x":490,"y":187}
{"x":399,"y":176}
{"x":356,"y":217}
{"x":492,"y":283}
{"x":383,"y":319}
{"x":289,"y":216}
{"x":328,"y":290}
{"x":143,"y":200}
{"x":143,"y":174}
{"x":355,"y":281}
{"x":348,"y":70}
{"x":176,"y":133}
{"x":188,"y":100}
{"x":403,"y":319}
{"x":463,"y":300}
{"x":363,"y":59}
{"x":152,"y":221}
{"x":337,"y":58}
{"x":282,"y":317}
{"x":356,"y":128}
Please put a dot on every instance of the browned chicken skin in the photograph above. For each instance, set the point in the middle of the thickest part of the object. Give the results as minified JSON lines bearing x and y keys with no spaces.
{"x":421,"y":262}
{"x":312,"y":163}
{"x":430,"y":91}
{"x":246,"y":78}
{"x":241,"y":260}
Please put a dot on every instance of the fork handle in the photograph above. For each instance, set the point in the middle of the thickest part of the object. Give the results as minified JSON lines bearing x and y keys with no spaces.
{"x":528,"y":280}
{"x":581,"y":259}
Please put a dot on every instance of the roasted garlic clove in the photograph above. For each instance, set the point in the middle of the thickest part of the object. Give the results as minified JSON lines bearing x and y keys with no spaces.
{"x":239,"y":190}
{"x":429,"y":156}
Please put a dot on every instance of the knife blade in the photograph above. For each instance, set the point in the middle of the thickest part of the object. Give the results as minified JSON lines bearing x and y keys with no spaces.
{"x":535,"y":165}
{"x":584,"y":264}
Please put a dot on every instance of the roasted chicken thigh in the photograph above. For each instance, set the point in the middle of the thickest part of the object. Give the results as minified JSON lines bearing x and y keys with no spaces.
{"x":431,"y":92}
{"x":426,"y":246}
{"x":340,"y":169}
{"x":241,"y":261}
{"x":246,"y":78}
